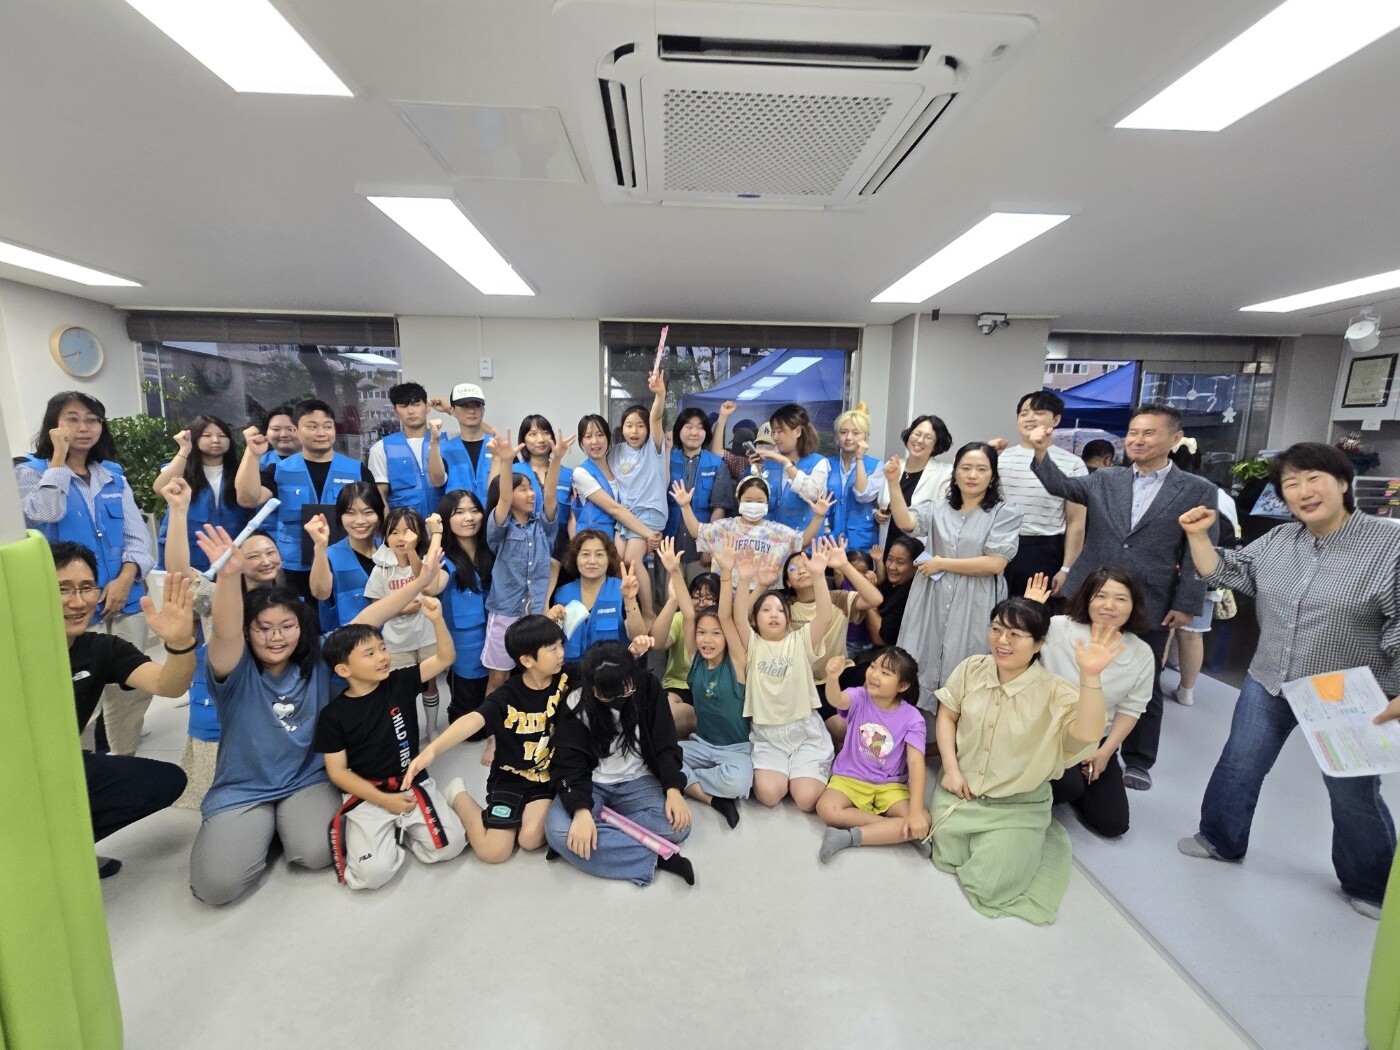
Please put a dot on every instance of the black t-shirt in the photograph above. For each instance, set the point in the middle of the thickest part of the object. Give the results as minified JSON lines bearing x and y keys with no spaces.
{"x":318,"y":472}
{"x":377,"y":731}
{"x":522,"y":721}
{"x":100,"y":660}
{"x":892,"y":610}
{"x":474,"y":450}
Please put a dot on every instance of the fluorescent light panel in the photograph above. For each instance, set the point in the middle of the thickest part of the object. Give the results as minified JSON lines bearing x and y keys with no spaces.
{"x":245,"y":43}
{"x":441,"y":227}
{"x":1291,"y":44}
{"x":1333,"y":293}
{"x":14,"y":255}
{"x":998,"y":234}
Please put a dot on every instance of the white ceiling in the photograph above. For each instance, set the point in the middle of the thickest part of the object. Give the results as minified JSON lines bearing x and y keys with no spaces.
{"x":119,"y":151}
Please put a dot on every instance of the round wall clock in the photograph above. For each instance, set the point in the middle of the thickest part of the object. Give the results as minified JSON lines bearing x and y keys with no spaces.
{"x":77,"y":351}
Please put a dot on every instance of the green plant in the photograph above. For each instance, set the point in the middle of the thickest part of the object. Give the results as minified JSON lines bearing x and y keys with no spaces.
{"x":144,"y":443}
{"x":1246,"y":469}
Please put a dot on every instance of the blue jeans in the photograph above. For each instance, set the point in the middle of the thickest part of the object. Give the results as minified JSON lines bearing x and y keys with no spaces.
{"x":617,"y":856}
{"x":1363,"y":834}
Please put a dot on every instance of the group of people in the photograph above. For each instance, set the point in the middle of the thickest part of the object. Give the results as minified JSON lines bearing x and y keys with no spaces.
{"x":818,"y":616}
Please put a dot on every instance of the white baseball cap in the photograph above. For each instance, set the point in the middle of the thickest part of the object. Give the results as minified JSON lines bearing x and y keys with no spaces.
{"x":466,"y":393}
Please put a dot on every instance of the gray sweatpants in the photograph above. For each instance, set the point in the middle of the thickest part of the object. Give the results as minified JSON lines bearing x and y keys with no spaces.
{"x":230,"y":850}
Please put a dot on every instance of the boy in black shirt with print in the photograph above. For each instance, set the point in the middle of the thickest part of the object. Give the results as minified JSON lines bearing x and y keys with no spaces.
{"x":369,"y":736}
{"x":520,"y":716}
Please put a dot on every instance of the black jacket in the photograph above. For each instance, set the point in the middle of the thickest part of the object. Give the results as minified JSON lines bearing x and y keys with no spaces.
{"x":575,"y":758}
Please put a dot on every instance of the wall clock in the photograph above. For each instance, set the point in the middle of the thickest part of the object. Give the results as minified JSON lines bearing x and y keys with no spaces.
{"x":77,"y":351}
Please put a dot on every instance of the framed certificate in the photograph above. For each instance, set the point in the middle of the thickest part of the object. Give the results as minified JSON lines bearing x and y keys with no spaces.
{"x":1368,"y":382}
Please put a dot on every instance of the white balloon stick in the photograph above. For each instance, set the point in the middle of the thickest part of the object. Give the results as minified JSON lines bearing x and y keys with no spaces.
{"x":252,"y":527}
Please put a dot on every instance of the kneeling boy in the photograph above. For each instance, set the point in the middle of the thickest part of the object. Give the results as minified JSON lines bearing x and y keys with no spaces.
{"x":369,"y":736}
{"x":520,"y":717}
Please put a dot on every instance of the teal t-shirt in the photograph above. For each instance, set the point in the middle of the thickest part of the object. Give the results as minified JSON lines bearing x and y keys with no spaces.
{"x":719,"y":703}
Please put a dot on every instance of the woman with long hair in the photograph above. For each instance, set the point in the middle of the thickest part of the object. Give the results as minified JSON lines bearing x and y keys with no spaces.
{"x":207,"y":459}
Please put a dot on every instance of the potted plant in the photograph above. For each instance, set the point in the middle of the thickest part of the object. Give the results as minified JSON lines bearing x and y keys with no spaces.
{"x":146,"y":442}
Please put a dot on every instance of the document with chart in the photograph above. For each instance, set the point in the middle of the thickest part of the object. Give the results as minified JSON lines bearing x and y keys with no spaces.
{"x":1334,"y":711}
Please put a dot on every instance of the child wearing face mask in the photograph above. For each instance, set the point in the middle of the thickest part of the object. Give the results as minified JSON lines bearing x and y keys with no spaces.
{"x":768,"y":542}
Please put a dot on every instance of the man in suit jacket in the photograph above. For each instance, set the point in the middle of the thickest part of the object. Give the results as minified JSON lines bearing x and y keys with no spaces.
{"x":1131,"y":523}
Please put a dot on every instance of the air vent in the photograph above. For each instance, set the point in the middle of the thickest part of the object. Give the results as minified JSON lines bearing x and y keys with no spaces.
{"x":721,"y":104}
{"x":673,"y":48}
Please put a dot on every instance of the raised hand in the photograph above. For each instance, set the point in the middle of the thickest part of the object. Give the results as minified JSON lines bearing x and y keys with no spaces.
{"x":214,"y":540}
{"x":681,"y":494}
{"x":61,"y":439}
{"x":728,"y":408}
{"x":1041,"y":437}
{"x":893,"y":468}
{"x":502,"y":448}
{"x":177,"y":494}
{"x":668,"y":554}
{"x":1105,"y":643}
{"x":1038,"y":588}
{"x":998,"y":445}
{"x":835,"y":551}
{"x":834,"y":667}
{"x":183,"y":443}
{"x":768,"y":575}
{"x":439,"y":404}
{"x":640,"y":646}
{"x":563,"y":444}
{"x":431,"y":608}
{"x":630,"y":586}
{"x":822,"y":504}
{"x":1197,"y":521}
{"x":173,"y":624}
{"x":434,"y":433}
{"x":434,"y":524}
{"x":256,"y":440}
{"x":318,"y":529}
{"x":432,"y":565}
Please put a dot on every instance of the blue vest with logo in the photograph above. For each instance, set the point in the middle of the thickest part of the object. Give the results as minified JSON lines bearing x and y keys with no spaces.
{"x":349,"y":578}
{"x":460,"y":472}
{"x":784,"y":505}
{"x":408,"y":476}
{"x":103,"y":536}
{"x":700,"y":492}
{"x":561,"y":491}
{"x":587,"y":514}
{"x":606,"y":620}
{"x":850,"y":517}
{"x":204,"y":718}
{"x":464,"y":613}
{"x":205,"y":509}
{"x":295,"y":490}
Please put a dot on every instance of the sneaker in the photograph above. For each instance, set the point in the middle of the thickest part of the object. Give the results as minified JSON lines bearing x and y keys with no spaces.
{"x":109,"y":866}
{"x":1199,"y":846}
{"x":1137,"y":779}
{"x":1364,"y":907}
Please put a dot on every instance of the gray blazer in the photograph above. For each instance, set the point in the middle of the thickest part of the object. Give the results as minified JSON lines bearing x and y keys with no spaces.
{"x":1155,"y":551}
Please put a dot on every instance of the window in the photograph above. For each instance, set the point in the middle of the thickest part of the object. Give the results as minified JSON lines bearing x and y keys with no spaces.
{"x":759,"y":367}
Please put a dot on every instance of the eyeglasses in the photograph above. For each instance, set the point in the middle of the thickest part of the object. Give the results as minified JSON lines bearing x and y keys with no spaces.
{"x":83,"y":591}
{"x":998,"y":630}
{"x":619,"y":696}
{"x":81,"y":421}
{"x":285,"y":630}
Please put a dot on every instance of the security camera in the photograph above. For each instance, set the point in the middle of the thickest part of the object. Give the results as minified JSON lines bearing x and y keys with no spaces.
{"x":989,"y":323}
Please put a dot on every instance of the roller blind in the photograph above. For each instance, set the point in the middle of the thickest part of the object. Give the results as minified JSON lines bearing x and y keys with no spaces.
{"x":148,"y":326}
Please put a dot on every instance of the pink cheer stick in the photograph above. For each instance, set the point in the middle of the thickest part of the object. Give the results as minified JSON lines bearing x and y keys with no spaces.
{"x":660,"y":348}
{"x":636,"y":832}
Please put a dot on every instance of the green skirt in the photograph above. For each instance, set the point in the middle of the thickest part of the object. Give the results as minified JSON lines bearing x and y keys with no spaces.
{"x":1010,"y":856}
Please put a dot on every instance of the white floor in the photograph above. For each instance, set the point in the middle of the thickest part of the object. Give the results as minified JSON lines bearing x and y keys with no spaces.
{"x":1272,"y":939}
{"x":769,"y":949}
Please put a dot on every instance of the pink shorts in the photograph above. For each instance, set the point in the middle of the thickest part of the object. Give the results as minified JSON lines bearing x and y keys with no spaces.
{"x":493,"y":653}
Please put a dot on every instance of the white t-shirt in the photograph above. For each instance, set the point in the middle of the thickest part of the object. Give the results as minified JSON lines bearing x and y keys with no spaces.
{"x":618,"y":766}
{"x":1041,"y":513}
{"x":378,"y":462}
{"x":215,"y":477}
{"x":406,"y":631}
{"x":1127,"y":681}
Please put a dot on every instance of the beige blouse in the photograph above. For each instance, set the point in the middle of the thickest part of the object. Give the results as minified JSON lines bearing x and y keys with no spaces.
{"x":833,"y":643}
{"x":1013,"y":737}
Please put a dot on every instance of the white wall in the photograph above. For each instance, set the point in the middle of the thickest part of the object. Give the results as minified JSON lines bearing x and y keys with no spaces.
{"x":899,"y":397}
{"x":29,"y":375}
{"x":871,"y":383}
{"x":1303,"y":379}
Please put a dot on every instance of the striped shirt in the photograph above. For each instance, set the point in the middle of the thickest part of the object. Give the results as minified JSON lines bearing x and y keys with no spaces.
{"x":1041,"y":513}
{"x":1323,"y":603}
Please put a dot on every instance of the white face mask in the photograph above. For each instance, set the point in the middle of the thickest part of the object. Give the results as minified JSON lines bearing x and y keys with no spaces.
{"x":753,"y":511}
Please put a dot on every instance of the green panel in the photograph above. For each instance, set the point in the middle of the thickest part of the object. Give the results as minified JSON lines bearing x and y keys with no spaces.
{"x":57,"y":986}
{"x":1383,"y":987}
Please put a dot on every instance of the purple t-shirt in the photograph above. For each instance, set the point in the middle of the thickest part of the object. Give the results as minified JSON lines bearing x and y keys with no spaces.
{"x":875,"y":740}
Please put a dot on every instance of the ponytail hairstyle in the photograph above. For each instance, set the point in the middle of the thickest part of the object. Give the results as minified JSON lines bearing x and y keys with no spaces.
{"x":470,"y":572}
{"x":194,"y":463}
{"x":609,"y":672}
{"x":794,"y":417}
{"x":408,"y":516}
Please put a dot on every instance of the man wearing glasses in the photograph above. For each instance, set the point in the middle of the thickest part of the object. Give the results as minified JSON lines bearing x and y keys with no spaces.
{"x":122,"y":788}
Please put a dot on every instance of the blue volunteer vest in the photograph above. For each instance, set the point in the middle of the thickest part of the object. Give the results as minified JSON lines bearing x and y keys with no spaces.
{"x":850,"y":517}
{"x":103,"y":535}
{"x":704,"y":486}
{"x":408,"y":476}
{"x":561,"y":490}
{"x":606,"y":620}
{"x":205,"y":509}
{"x":349,"y":578}
{"x":204,"y":719}
{"x":587,"y":514}
{"x":784,"y":505}
{"x":294,"y":489}
{"x":460,"y":472}
{"x":464,"y":612}
{"x":268,"y":459}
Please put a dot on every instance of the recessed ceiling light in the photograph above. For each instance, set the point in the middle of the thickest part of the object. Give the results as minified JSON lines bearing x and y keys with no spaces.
{"x":441,"y":227}
{"x":14,"y":255}
{"x":1291,"y":44}
{"x":245,"y":43}
{"x":1333,"y":293}
{"x":996,"y":235}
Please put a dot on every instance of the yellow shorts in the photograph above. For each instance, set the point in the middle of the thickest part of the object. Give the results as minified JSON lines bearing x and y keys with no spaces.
{"x":873,"y":798}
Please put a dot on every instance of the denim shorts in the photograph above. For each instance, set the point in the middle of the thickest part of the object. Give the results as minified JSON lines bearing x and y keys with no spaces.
{"x":653,"y":519}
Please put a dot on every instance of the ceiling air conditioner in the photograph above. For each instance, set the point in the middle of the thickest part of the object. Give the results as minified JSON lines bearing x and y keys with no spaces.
{"x":757,"y":104}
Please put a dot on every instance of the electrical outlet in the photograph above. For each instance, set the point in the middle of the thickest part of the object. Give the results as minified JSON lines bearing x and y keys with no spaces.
{"x":486,"y":369}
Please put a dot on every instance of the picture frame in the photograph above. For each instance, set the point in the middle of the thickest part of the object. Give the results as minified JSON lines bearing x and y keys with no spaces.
{"x":1368,"y":382}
